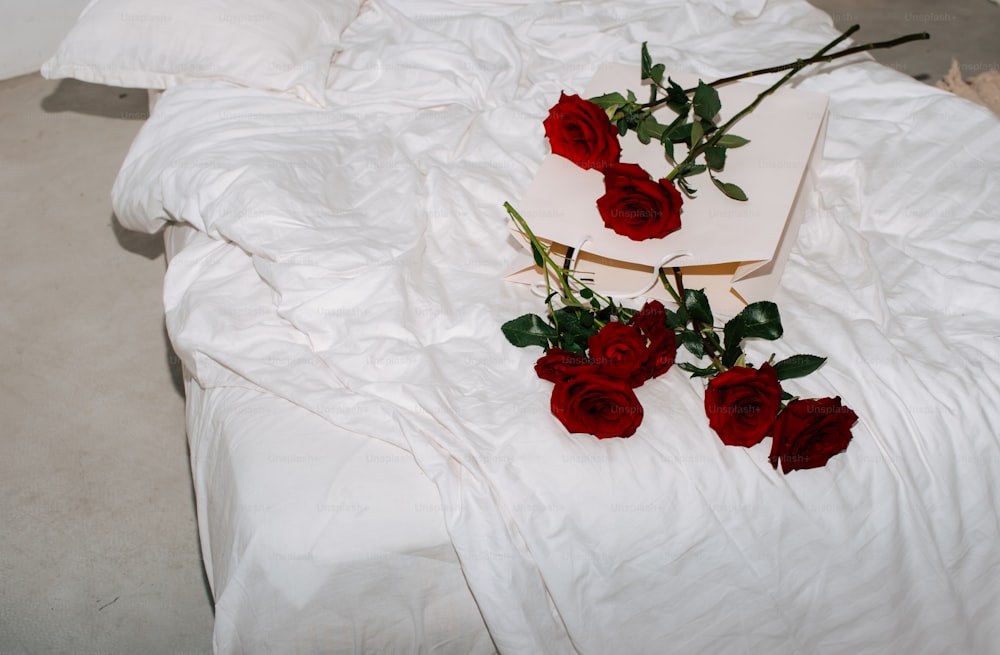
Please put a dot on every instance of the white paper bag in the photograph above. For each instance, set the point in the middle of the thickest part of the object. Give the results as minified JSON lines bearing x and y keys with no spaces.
{"x":737,"y":250}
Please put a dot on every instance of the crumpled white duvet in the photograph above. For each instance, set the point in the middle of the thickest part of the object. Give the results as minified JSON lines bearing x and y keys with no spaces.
{"x":356,"y":271}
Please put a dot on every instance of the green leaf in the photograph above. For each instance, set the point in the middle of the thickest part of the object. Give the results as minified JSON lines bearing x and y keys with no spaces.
{"x":731,"y":141}
{"x":706,"y":101}
{"x":586,"y":293}
{"x":528,"y":330}
{"x":668,"y":147}
{"x":697,"y":372}
{"x":622,"y":127}
{"x":679,"y":133}
{"x":685,"y":187}
{"x":731,"y":356}
{"x":537,"y":255}
{"x":656,"y":73}
{"x":697,"y":132}
{"x":647,"y":62}
{"x":642,"y":132}
{"x":760,"y":320}
{"x":676,"y":95}
{"x":605,"y":313}
{"x":609,"y":100}
{"x":730,"y":189}
{"x":733,"y":333}
{"x":798,"y":366}
{"x":691,"y":340}
{"x":576,"y":326}
{"x":696,"y":303}
{"x":631,"y":96}
{"x":675,"y":320}
{"x":654,"y":127}
{"x":649,"y":128}
{"x":695,"y":169}
{"x":715,"y":157}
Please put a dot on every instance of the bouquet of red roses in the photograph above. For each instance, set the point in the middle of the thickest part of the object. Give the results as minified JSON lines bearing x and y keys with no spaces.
{"x":597,"y":351}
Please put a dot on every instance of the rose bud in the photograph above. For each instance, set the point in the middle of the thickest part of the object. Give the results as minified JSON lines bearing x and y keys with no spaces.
{"x":651,"y":321}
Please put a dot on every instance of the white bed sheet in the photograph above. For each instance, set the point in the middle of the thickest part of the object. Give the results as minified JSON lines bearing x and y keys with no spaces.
{"x":316,"y":540}
{"x":353,"y":269}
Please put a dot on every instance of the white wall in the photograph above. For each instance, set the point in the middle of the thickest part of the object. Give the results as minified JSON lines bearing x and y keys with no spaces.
{"x":30,"y":30}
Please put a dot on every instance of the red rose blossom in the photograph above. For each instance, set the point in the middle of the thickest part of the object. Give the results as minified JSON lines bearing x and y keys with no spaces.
{"x":741,"y":404}
{"x":558,"y":364}
{"x":651,"y":321}
{"x":581,"y":132}
{"x":596,"y":404}
{"x":808,"y":433}
{"x":635,"y":206}
{"x":619,"y":350}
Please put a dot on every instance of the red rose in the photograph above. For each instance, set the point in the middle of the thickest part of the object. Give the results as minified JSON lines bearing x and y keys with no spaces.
{"x":741,"y":404}
{"x":619,"y":350}
{"x":635,"y":206}
{"x":651,"y":321}
{"x":581,"y":132}
{"x":558,"y":364}
{"x":809,"y":432}
{"x":596,"y":404}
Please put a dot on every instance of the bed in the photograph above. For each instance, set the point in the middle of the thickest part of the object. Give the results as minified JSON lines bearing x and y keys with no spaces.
{"x":377,"y":469}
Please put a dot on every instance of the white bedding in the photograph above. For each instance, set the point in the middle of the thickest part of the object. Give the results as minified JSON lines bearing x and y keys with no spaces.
{"x":352,"y":268}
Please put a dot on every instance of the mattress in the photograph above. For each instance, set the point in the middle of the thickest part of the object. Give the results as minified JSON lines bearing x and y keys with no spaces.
{"x":336,"y":303}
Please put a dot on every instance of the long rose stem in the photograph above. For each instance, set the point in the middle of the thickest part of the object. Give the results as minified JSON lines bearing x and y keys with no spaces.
{"x":820,"y":57}
{"x":696,"y":150}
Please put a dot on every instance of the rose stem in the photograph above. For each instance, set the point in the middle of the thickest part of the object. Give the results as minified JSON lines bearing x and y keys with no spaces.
{"x":670,"y":288}
{"x":795,"y":68}
{"x":559,"y":272}
{"x":710,"y":348}
{"x":819,"y":57}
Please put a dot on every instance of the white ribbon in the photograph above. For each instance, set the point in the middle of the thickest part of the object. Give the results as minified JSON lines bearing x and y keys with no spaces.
{"x":541,"y":289}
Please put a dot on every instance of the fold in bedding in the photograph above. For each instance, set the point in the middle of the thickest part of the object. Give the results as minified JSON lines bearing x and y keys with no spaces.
{"x":352,"y":266}
{"x":339,"y":546}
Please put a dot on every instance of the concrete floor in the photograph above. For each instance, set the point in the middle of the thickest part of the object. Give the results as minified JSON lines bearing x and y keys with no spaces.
{"x":966,"y":30}
{"x":98,"y":545}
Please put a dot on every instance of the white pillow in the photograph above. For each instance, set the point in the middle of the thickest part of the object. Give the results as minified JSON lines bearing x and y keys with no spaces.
{"x":283,"y":45}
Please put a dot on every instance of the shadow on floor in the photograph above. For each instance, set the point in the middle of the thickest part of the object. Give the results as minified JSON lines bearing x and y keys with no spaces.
{"x":97,"y":100}
{"x":175,"y":366}
{"x":149,"y":246}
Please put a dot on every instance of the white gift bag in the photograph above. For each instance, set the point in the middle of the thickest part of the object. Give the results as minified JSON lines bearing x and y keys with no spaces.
{"x":735,"y":250}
